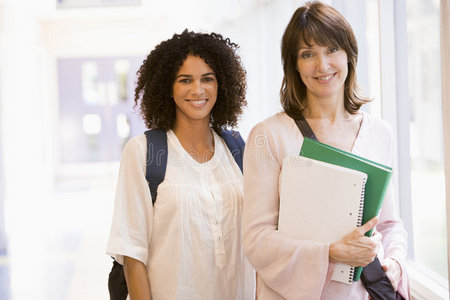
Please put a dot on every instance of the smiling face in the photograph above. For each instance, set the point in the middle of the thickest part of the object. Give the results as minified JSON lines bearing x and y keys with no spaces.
{"x":323,"y":70}
{"x":194,"y":90}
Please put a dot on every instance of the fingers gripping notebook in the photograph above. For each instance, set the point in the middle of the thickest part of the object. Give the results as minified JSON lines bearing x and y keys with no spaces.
{"x":321,"y":202}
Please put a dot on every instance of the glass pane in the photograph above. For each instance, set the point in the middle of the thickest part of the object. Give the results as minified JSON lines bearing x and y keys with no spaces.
{"x":122,"y":67}
{"x":92,"y":124}
{"x":427,"y":150}
{"x":363,"y":16}
{"x":123,"y":126}
{"x":89,"y":83}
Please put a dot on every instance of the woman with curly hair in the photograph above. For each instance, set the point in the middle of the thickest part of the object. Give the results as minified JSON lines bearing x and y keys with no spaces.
{"x":188,"y":244}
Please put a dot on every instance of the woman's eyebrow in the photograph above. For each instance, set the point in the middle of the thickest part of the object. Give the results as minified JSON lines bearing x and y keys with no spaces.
{"x":183,"y":75}
{"x":190,"y":76}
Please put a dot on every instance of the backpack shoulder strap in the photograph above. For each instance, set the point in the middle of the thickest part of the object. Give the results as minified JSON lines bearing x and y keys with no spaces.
{"x":235,"y":143}
{"x":305,"y":129}
{"x":156,"y":159}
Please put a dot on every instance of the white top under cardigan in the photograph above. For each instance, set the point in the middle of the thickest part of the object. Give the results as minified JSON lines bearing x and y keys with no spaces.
{"x":190,"y":240}
{"x":288,"y":268}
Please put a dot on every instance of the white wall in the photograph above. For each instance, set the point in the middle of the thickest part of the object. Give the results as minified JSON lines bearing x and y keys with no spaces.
{"x":22,"y":114}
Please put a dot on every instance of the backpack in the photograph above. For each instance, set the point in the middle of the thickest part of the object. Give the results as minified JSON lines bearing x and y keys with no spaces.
{"x":155,"y":172}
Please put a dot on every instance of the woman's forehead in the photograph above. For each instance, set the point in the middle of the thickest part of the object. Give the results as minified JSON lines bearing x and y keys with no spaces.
{"x":310,"y":39}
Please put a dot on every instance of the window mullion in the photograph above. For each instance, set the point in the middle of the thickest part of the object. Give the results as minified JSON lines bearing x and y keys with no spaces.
{"x":445,"y":70}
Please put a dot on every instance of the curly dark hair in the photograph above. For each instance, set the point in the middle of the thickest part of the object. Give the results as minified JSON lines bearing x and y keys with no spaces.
{"x":157,"y":74}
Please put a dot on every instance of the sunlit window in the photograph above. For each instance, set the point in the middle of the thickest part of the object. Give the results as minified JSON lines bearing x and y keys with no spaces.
{"x":122,"y":67}
{"x":123,"y":126}
{"x":89,"y":83}
{"x":426,"y":134}
{"x":92,"y":124}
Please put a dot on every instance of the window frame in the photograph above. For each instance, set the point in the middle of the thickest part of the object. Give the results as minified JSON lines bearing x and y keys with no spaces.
{"x":423,"y":284}
{"x":445,"y":71}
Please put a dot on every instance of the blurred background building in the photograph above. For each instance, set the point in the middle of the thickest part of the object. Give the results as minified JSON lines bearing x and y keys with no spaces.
{"x":67,"y":73}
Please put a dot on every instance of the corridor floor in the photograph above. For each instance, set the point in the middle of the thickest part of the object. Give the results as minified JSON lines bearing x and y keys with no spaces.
{"x":56,"y":247}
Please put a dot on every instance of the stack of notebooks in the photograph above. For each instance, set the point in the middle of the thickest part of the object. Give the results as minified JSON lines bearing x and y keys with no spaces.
{"x":325,"y":193}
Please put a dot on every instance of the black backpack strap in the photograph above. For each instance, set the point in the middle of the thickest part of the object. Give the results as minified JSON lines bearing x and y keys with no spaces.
{"x":236,"y":145}
{"x":305,"y":129}
{"x":156,"y":159}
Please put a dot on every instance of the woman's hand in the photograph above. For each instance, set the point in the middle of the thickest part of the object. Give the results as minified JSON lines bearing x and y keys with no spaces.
{"x":356,"y":249}
{"x":393,"y":271}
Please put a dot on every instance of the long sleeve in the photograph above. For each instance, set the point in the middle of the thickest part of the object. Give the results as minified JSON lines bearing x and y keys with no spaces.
{"x":132,"y":219}
{"x":292,"y":268}
{"x":391,"y":227}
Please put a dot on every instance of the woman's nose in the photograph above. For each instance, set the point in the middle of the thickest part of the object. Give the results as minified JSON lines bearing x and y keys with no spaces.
{"x":322,"y":63}
{"x":197,"y":87}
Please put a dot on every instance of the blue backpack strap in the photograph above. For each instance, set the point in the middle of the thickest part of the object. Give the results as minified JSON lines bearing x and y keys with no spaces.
{"x":156,"y":159}
{"x":236,"y":145}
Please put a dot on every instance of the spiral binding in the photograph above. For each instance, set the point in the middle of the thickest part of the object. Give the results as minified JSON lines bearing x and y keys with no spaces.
{"x":361,"y":203}
{"x":351,"y":274}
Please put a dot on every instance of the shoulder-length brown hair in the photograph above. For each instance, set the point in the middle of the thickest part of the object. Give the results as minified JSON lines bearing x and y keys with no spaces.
{"x":322,"y":24}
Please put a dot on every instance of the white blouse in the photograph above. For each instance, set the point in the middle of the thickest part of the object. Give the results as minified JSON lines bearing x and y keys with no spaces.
{"x":190,"y":240}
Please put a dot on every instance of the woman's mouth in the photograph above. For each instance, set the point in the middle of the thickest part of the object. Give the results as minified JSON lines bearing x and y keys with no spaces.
{"x":326,"y":77}
{"x":197,"y":103}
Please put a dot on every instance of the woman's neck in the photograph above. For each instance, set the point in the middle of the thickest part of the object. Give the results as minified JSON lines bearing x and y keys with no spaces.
{"x":331,"y":109}
{"x":196,"y":138}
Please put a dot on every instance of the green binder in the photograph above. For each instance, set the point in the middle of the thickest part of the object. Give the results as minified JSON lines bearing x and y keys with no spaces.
{"x":378,"y":176}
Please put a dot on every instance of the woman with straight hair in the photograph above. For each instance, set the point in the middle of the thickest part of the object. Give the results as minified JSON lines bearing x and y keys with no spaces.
{"x":319,"y":54}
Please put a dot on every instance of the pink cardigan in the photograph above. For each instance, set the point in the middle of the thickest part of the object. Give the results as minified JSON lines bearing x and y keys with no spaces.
{"x":288,"y":268}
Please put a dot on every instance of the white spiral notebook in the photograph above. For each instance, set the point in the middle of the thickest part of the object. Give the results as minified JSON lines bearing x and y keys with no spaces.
{"x":321,"y":202}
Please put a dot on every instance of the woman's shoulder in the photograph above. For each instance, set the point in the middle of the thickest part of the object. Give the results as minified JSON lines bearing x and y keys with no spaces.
{"x":135,"y":145}
{"x":376,"y":130}
{"x":279,"y":132}
{"x":274,"y":123}
{"x":376,"y":124}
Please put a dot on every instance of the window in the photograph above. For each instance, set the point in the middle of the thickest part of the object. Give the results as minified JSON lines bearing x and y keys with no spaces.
{"x":427,"y":148}
{"x":96,"y":108}
{"x":407,"y":62}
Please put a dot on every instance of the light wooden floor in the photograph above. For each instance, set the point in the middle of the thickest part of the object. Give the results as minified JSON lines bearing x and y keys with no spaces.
{"x":56,"y":250}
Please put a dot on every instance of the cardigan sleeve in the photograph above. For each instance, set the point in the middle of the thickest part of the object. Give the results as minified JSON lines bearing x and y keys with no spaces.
{"x":391,"y":227}
{"x":292,"y":268}
{"x":133,"y":210}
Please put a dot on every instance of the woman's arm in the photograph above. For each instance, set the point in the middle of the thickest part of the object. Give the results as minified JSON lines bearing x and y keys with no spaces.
{"x":136,"y":276}
{"x":291,"y":267}
{"x":390,"y":225}
{"x":131,"y":227}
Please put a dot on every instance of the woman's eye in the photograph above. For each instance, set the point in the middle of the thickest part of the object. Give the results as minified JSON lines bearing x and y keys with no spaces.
{"x":184,"y":80}
{"x":333,"y":50}
{"x":306,"y":55}
{"x":208,"y":79}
